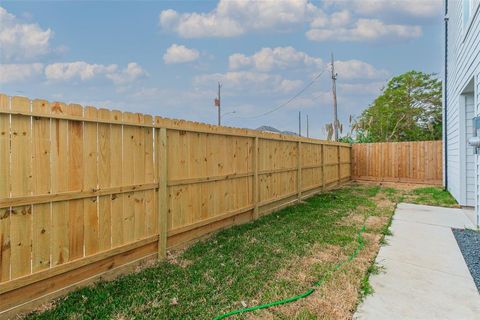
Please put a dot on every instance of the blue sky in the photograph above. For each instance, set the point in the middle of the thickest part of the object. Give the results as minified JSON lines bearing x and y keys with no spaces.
{"x":165,"y":58}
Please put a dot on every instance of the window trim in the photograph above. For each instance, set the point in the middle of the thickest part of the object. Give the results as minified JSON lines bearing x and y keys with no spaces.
{"x":466,"y":27}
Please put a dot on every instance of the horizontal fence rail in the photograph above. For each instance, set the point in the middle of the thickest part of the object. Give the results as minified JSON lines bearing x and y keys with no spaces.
{"x":407,"y":162}
{"x":87,"y":192}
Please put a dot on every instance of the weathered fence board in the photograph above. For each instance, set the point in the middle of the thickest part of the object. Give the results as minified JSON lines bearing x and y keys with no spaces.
{"x":89,"y":192}
{"x":408,"y":162}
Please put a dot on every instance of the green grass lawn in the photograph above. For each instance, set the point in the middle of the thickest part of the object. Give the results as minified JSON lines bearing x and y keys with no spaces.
{"x":431,"y":196}
{"x":275,"y":257}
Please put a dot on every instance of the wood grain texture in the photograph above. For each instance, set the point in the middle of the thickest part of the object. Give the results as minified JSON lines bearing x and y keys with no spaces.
{"x":90,"y":182}
{"x":75,"y":182}
{"x":408,"y":162}
{"x":60,"y":210}
{"x":116,"y":178}
{"x":21,"y":184}
{"x":162,"y":201}
{"x":129,"y":137}
{"x":82,"y":185}
{"x":41,"y":185}
{"x":104,"y":181}
{"x":5,"y":137}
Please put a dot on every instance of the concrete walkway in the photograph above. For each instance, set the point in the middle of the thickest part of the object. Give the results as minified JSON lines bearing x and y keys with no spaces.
{"x":425,"y":275}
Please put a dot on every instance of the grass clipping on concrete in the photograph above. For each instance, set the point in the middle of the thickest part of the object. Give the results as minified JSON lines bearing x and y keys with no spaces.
{"x":275,"y":257}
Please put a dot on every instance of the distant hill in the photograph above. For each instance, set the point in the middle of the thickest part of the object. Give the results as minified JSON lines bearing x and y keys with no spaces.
{"x":275,"y":130}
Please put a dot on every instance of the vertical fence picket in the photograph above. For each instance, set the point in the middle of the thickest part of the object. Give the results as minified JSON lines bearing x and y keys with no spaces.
{"x":150,"y":214}
{"x":21,"y":184}
{"x":104,"y":177}
{"x":90,"y":182}
{"x":128,"y":178}
{"x":116,"y":177}
{"x":255,"y":190}
{"x":139,"y":177}
{"x":41,"y":186}
{"x":60,"y":210}
{"x":339,"y":165}
{"x":5,"y":243}
{"x":162,"y":203}
{"x":322,"y":151}
{"x":299,"y":170}
{"x":75,"y":182}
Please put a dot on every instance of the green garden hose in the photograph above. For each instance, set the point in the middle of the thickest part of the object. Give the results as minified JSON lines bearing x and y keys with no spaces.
{"x":361,"y":244}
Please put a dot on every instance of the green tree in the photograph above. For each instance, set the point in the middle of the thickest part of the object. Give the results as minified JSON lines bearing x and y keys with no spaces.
{"x":409,"y":109}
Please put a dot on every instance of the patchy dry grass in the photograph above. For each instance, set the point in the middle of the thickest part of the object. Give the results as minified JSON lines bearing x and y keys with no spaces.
{"x":275,"y":257}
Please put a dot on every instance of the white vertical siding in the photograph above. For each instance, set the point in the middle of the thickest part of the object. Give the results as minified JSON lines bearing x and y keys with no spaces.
{"x":469,"y":155}
{"x":477,"y":157}
{"x":463,"y":65}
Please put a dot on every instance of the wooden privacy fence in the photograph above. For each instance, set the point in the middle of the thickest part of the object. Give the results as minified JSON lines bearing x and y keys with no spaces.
{"x":410,"y":162}
{"x":88,"y":192}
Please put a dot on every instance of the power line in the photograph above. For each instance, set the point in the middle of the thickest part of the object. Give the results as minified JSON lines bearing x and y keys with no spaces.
{"x":288,"y":101}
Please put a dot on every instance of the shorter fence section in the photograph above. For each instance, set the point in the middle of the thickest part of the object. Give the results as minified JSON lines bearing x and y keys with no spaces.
{"x":408,"y":162}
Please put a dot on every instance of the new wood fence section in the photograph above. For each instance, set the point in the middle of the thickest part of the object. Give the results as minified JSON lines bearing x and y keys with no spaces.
{"x":410,"y":162}
{"x":88,"y":192}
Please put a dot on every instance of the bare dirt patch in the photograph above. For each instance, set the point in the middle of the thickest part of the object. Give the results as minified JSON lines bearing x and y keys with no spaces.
{"x":353,"y":219}
{"x":174,"y":257}
{"x":338,"y":296}
{"x":374,"y":222}
{"x":395,"y":185}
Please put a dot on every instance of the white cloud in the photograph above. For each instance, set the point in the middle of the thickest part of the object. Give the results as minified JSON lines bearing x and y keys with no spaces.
{"x":232,"y":18}
{"x":336,"y":19}
{"x":85,"y":71}
{"x":180,"y":54}
{"x":235,"y":17}
{"x":132,"y":72}
{"x":280,"y":58}
{"x":22,"y":40}
{"x":268,"y":59}
{"x":413,"y":8}
{"x":365,"y":30}
{"x":19,"y":72}
{"x":356,"y":69}
{"x":248,"y":82}
{"x":78,"y":69}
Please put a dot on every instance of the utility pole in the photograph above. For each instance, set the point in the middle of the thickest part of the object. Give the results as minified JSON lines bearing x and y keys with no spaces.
{"x":218,"y":103}
{"x":334,"y":92}
{"x":299,"y":123}
{"x":308,"y":134}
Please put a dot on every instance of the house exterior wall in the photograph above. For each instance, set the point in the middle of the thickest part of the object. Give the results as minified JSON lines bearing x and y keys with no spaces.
{"x":477,"y":157}
{"x":463,"y":65}
{"x":469,"y":152}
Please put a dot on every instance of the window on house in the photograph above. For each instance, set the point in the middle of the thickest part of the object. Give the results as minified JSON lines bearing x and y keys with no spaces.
{"x":469,"y":9}
{"x":466,"y":12}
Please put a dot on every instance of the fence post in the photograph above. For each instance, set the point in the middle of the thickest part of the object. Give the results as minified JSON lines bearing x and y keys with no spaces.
{"x":339,"y":164}
{"x":299,"y":171}
{"x":351,"y":162}
{"x":162,"y":193}
{"x":322,"y":150}
{"x":255,"y":178}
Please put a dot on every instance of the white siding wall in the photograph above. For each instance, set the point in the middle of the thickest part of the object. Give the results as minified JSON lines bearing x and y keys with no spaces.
{"x":469,"y":155}
{"x":477,"y":157}
{"x":463,"y":65}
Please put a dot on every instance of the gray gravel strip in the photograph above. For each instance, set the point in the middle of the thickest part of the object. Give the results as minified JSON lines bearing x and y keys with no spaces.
{"x":469,"y":243}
